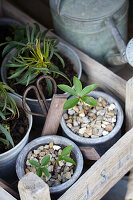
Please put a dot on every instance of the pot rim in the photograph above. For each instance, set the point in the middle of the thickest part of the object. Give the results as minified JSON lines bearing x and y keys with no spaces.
{"x":45,"y":140}
{"x":93,"y":141}
{"x":30,"y":120}
{"x":60,"y":44}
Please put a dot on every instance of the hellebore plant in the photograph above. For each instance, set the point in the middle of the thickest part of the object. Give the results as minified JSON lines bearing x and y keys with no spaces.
{"x":64,"y":155}
{"x":79,"y":94}
{"x":8,"y":110}
{"x":41,"y":168}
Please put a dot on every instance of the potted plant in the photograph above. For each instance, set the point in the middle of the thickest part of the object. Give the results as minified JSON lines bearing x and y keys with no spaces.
{"x":91,"y":118}
{"x":15,"y":126}
{"x":48,"y":156}
{"x":38,"y":54}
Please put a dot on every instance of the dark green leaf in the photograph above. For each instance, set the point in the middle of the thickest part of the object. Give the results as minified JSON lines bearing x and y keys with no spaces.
{"x":88,"y":89}
{"x":28,"y":32}
{"x":61,"y":59}
{"x":67,"y":150}
{"x":45,"y":171}
{"x":68,"y":89}
{"x":59,"y":158}
{"x":70,"y":103}
{"x":89,"y":100}
{"x":32,"y":34}
{"x":45,"y":160}
{"x":39,"y":172}
{"x":34,"y":163}
{"x":7,"y":134}
{"x":17,"y":73}
{"x":68,"y":159}
{"x":4,"y":141}
{"x":77,"y":85}
{"x":8,"y":48}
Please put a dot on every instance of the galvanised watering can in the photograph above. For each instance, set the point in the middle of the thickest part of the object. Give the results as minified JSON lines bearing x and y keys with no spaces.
{"x":96,"y":27}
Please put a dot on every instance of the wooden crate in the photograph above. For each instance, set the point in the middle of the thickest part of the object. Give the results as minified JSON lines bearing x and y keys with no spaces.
{"x":117,"y":161}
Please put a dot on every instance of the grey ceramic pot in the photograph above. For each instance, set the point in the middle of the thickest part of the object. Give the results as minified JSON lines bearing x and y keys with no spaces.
{"x":33,"y":103}
{"x":56,"y":190}
{"x":8,"y":159}
{"x":101,"y":144}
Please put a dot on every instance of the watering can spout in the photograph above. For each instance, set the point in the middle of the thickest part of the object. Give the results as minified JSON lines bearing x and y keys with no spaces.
{"x":125,"y":52}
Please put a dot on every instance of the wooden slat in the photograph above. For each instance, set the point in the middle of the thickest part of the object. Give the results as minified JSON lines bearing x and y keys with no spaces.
{"x":7,"y":187}
{"x":32,"y":187}
{"x":94,"y":70}
{"x":129,"y":104}
{"x":4,"y":195}
{"x":105,"y":173}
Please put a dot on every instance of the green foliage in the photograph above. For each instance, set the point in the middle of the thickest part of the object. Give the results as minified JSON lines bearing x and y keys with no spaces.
{"x":34,"y":53}
{"x":40,"y":167}
{"x":64,"y":155}
{"x":79,"y":93}
{"x":8,"y":110}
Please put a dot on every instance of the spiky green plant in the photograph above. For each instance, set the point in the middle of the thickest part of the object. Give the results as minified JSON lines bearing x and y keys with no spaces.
{"x":8,"y":110}
{"x":33,"y":56}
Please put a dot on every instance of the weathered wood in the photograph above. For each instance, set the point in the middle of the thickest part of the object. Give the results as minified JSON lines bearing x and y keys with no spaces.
{"x":90,"y":153}
{"x":94,"y":70}
{"x":4,"y":195}
{"x":129,"y":193}
{"x":7,"y":187}
{"x":31,"y":187}
{"x":105,"y":173}
{"x":54,"y":115}
{"x":129,"y":104}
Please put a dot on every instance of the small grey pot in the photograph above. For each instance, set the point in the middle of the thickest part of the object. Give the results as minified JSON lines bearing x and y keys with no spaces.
{"x":101,"y":144}
{"x":56,"y":190}
{"x":33,"y":103}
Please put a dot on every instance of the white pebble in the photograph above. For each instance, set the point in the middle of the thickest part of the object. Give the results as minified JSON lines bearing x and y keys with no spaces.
{"x":105,"y":132}
{"x":112,"y":106}
{"x":56,"y":147}
{"x":82,"y":130}
{"x":71,"y":111}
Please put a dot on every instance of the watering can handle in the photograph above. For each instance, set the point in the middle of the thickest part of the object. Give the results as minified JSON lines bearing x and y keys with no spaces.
{"x":116,"y":59}
{"x":125,"y":52}
{"x":58,"y":6}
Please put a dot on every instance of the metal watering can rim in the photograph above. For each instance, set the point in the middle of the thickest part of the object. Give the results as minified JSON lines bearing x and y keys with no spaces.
{"x":88,"y":20}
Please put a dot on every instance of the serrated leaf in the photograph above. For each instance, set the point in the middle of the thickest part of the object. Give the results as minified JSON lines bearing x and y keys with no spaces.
{"x":39,"y":172}
{"x":67,"y":150}
{"x":70,"y":103}
{"x":45,"y":160}
{"x":34,"y":163}
{"x":68,"y":159}
{"x":89,"y":100}
{"x":45,"y":171}
{"x":88,"y":89}
{"x":67,"y":89}
{"x":77,"y":85}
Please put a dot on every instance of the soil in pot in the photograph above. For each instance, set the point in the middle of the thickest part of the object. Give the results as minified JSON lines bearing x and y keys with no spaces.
{"x":18,"y":129}
{"x":68,"y":70}
{"x":59,"y":171}
{"x":92,"y":122}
